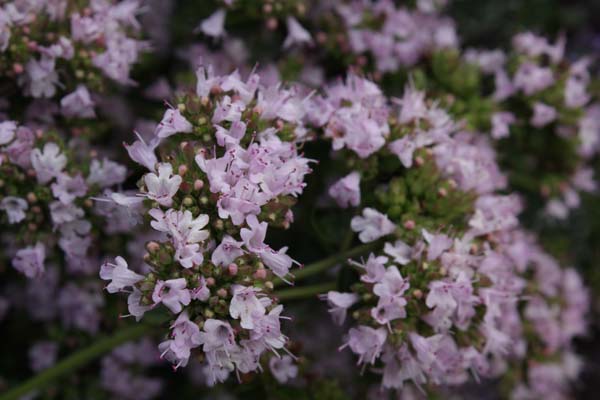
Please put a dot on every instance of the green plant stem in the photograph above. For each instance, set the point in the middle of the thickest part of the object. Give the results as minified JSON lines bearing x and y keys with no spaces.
{"x":326,"y":263}
{"x":77,"y":360}
{"x":304,"y":292}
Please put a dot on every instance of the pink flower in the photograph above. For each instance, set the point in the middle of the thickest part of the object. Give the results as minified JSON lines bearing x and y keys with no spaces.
{"x":254,"y":237}
{"x":172,"y":293}
{"x":338,"y":304}
{"x":399,"y":251}
{"x":542,"y":114}
{"x":136,"y":309}
{"x":7,"y":131}
{"x":374,"y":268}
{"x":66,"y":188}
{"x":227,"y":251}
{"x":119,"y":274}
{"x":231,"y":136}
{"x":267,"y":330}
{"x":173,"y":122}
{"x":296,"y":34}
{"x":501,"y":124}
{"x":214,"y":25}
{"x":164,"y":186}
{"x":217,"y":335}
{"x":106,"y":173}
{"x":48,"y":162}
{"x":30,"y":260}
{"x":531,"y":78}
{"x":143,"y":153}
{"x":404,"y":148}
{"x":245,"y":305}
{"x":181,"y":226}
{"x":366,"y":342}
{"x":15,"y":208}
{"x":372,"y":225}
{"x":185,"y":336}
{"x":283,"y":368}
{"x":438,"y":244}
{"x":346,"y":191}
{"x":78,"y":104}
{"x":202,"y":292}
{"x":391,"y":285}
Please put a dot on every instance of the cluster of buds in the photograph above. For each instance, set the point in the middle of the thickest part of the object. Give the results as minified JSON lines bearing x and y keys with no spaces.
{"x":229,"y":167}
{"x":455,"y":288}
{"x":542,"y":110}
{"x":66,"y":46}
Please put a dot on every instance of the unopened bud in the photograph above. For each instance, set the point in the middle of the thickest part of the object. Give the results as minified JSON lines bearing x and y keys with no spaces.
{"x":152,"y":247}
{"x":222,"y":293}
{"x":410,"y":224}
{"x":442,"y":192}
{"x":182,"y":169}
{"x":260,"y":274}
{"x":18,"y":68}
{"x":210,"y":281}
{"x":31,"y":197}
{"x":232,"y":269}
{"x":272,"y":24}
{"x":198,"y":184}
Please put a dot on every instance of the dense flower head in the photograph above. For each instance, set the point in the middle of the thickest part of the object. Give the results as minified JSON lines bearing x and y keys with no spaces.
{"x":67,"y":47}
{"x":543,"y":107}
{"x":44,"y":199}
{"x":229,"y":167}
{"x":385,"y":37}
{"x":449,"y":294}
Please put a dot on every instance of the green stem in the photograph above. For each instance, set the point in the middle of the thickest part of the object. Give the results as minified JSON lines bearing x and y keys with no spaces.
{"x":326,"y":263}
{"x":76,"y":360}
{"x":304,"y":292}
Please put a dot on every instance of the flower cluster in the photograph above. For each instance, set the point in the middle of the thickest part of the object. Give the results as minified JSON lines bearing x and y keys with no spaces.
{"x":44,"y":198}
{"x":67,"y":47}
{"x":229,"y":168}
{"x":444,"y":298}
{"x":384,"y":37}
{"x":543,"y":108}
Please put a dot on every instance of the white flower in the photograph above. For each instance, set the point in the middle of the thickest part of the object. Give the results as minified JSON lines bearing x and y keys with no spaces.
{"x":162,"y":187}
{"x":48,"y":163}
{"x":119,"y":274}
{"x":296,"y":34}
{"x":245,"y":305}
{"x":214,"y":25}
{"x":372,"y":225}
